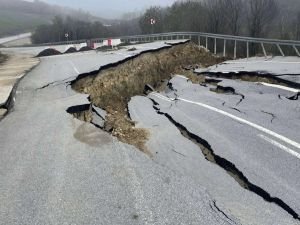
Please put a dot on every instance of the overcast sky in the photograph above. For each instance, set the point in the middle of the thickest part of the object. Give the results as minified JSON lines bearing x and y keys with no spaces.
{"x":110,"y":8}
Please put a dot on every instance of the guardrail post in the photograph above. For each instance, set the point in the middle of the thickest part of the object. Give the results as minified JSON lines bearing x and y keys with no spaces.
{"x":279,"y":48}
{"x":263,"y":48}
{"x":190,"y":37}
{"x":234,"y":51}
{"x":215,"y":49}
{"x":296,"y":50}
{"x":224,"y":53}
{"x":206,"y":39}
{"x":199,"y":41}
{"x":247,"y":49}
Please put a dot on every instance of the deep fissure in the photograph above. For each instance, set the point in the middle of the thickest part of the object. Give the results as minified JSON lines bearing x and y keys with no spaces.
{"x":228,"y":166}
{"x":119,"y":113}
{"x":112,"y":87}
{"x":252,"y":77}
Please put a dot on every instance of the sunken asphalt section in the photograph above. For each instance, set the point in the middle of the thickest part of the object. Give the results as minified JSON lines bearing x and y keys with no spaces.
{"x":58,"y":170}
{"x":281,"y":68}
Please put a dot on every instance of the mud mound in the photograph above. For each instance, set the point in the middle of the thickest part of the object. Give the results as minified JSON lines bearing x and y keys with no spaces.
{"x":48,"y":52}
{"x":112,"y":88}
{"x":84,"y":49}
{"x":104,"y":48}
{"x":132,"y":49}
{"x":71,"y":50}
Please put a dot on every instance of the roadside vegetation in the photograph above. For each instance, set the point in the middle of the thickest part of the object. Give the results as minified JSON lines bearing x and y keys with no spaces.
{"x":18,"y":16}
{"x":255,"y":18}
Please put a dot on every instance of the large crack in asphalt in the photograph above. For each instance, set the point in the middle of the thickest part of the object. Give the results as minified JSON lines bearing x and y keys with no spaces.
{"x":294,"y":97}
{"x":112,"y":86}
{"x":225,"y":164}
{"x":271,"y":114}
{"x":228,"y":90}
{"x":253,"y":77}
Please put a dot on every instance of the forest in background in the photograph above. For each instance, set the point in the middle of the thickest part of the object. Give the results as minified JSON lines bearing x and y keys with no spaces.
{"x":254,"y":18}
{"x":18,"y":16}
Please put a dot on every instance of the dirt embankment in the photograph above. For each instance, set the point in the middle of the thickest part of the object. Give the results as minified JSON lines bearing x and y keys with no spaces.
{"x":12,"y":69}
{"x":112,"y":88}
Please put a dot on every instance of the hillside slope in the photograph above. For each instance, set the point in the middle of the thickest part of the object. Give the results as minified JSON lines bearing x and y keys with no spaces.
{"x":18,"y":16}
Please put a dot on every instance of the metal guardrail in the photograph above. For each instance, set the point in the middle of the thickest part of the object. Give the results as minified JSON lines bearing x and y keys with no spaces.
{"x":198,"y":37}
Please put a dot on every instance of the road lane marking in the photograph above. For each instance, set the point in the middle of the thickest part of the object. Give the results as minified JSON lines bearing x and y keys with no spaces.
{"x":74,"y":67}
{"x":277,"y":144}
{"x":183,"y":77}
{"x":258,"y":127}
{"x":123,"y":54}
{"x":280,"y":87}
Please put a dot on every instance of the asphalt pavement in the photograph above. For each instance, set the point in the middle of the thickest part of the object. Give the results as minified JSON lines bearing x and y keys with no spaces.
{"x":254,"y":128}
{"x":55,"y":169}
{"x":285,"y":68}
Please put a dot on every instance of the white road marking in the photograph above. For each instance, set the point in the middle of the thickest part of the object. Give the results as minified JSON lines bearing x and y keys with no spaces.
{"x":266,"y":61}
{"x":258,"y":127}
{"x":74,"y":67}
{"x":280,"y":87}
{"x":277,"y":144}
{"x":183,"y":77}
{"x":123,"y":54}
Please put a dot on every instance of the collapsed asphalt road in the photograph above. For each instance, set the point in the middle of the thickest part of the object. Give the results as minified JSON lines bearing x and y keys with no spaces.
{"x":242,"y":136}
{"x":56,"y":169}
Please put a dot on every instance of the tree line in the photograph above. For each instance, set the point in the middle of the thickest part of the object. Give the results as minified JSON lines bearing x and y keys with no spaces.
{"x":255,"y":18}
{"x":69,"y":29}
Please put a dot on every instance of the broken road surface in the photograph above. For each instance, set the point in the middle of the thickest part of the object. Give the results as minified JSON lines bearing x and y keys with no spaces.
{"x":254,"y":140}
{"x":282,"y":68}
{"x":56,"y":169}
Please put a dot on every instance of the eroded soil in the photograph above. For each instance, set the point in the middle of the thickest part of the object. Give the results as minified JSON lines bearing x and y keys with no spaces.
{"x":112,"y":88}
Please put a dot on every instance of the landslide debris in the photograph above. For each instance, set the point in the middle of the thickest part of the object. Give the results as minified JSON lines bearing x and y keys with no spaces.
{"x":111,"y":88}
{"x":84,"y":49}
{"x":49,"y":52}
{"x":70,"y":50}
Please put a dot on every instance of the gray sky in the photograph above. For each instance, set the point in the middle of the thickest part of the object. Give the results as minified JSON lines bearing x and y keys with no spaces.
{"x":110,"y":8}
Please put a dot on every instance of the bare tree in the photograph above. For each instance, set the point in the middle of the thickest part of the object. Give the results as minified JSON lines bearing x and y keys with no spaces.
{"x":260,"y":14}
{"x":153,"y":20}
{"x":233,"y":11}
{"x":297,"y":25}
{"x":284,"y":26}
{"x":215,"y":20}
